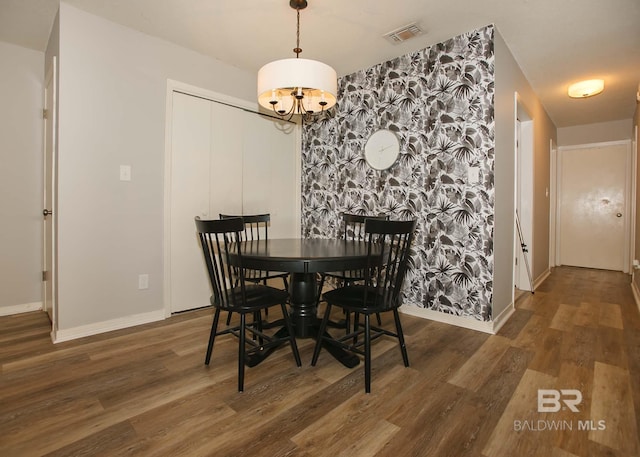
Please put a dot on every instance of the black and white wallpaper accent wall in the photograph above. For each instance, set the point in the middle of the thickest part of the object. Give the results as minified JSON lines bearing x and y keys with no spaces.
{"x":439,"y":101}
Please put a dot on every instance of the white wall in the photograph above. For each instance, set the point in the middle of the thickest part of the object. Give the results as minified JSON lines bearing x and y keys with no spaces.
{"x":596,"y":133}
{"x":21,"y":124}
{"x":53,"y":45}
{"x":112,"y":112}
{"x":510,"y":79}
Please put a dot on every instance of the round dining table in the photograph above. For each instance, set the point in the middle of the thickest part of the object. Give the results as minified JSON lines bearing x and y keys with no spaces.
{"x":304,"y":259}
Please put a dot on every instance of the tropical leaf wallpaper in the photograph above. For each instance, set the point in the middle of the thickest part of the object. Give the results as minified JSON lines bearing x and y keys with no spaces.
{"x":439,"y":102}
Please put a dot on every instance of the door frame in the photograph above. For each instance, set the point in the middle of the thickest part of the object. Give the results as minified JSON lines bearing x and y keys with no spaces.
{"x":188,"y":89}
{"x":49,"y":188}
{"x":629,"y":205}
{"x":552,"y":194}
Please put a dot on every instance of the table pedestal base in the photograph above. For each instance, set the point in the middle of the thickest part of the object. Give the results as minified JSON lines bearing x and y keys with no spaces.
{"x":305,"y":321}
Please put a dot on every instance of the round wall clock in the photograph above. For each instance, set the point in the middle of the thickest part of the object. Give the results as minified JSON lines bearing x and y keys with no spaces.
{"x":382,"y":149}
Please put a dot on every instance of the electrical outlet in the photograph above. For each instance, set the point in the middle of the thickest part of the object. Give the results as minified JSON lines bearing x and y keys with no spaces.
{"x":143,"y":281}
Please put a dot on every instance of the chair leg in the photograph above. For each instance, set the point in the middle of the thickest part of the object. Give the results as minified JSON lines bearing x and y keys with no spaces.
{"x":347,"y":322}
{"x":323,"y":328}
{"x":241,"y":351}
{"x":379,"y":318}
{"x":257,"y":324}
{"x":347,"y":314}
{"x":356,"y":326}
{"x":229,"y":317}
{"x":367,"y":353}
{"x":212,"y":336}
{"x":403,"y":346}
{"x":319,"y":294}
{"x":292,"y":335}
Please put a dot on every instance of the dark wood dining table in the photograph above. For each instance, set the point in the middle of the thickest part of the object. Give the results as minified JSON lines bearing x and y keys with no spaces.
{"x":304,"y":259}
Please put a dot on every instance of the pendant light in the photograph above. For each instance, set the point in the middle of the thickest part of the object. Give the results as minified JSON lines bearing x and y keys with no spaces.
{"x":297,"y":86}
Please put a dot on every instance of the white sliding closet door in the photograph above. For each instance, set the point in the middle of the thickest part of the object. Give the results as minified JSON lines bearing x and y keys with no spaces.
{"x":225,"y":160}
{"x":226,"y":177}
{"x":190,"y":156}
{"x":270,"y":179}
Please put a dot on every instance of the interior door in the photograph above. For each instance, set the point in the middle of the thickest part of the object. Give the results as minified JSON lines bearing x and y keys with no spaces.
{"x":523,"y":279}
{"x":49,"y":200}
{"x":593,"y":205}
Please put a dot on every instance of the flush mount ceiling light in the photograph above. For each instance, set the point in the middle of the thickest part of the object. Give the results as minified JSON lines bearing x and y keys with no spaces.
{"x":297,"y":86}
{"x":584,"y":89}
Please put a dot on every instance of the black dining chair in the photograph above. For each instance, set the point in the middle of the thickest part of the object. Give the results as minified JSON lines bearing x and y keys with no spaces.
{"x":353,"y":229}
{"x":221,"y":239}
{"x":380,"y":292}
{"x":256,"y":227}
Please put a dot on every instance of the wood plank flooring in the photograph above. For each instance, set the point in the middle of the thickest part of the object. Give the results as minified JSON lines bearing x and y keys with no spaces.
{"x":146,"y":392}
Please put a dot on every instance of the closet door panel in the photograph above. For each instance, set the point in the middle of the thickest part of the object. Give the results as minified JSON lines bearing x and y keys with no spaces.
{"x":285,"y":183}
{"x":190,"y":146}
{"x":226,"y":159}
{"x":270,"y":183}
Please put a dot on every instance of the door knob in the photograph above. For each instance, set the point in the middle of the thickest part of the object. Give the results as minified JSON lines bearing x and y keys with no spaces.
{"x":619,"y":215}
{"x":46,"y":212}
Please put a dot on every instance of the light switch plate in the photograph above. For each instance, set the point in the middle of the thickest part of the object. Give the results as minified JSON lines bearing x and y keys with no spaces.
{"x":143,"y":281}
{"x":125,"y":172}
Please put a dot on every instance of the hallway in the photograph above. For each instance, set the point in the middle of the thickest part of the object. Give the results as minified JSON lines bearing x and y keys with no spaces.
{"x":581,"y":329}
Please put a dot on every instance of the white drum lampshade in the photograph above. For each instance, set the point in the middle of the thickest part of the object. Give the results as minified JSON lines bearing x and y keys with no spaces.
{"x":282,"y":83}
{"x":297,"y":86}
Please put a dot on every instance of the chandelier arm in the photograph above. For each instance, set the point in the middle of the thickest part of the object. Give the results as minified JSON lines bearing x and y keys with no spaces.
{"x":311,"y":113}
{"x":302,"y":109}
{"x":283,"y":114}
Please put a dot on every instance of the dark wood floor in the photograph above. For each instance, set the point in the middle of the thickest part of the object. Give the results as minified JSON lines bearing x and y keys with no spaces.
{"x":145,"y":391}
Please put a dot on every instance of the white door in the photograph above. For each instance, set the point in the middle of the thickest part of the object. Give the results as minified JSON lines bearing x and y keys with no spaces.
{"x":593,"y":208}
{"x":190,"y":141}
{"x":49,"y":186}
{"x":223,"y":160}
{"x":523,"y":279}
{"x":225,"y":177}
{"x":271,"y":183}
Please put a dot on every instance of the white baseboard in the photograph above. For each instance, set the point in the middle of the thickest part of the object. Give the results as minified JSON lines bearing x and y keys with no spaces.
{"x":107,"y":326}
{"x":541,"y":279}
{"x":503,"y":317}
{"x":18,"y":309}
{"x":459,"y":321}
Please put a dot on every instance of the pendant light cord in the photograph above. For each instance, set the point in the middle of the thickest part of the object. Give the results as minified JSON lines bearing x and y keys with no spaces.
{"x":297,"y":49}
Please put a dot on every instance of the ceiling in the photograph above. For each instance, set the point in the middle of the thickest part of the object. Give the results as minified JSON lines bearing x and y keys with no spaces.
{"x":556,"y":42}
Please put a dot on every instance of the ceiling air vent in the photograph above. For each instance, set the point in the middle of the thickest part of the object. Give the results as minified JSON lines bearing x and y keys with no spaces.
{"x":403,"y":33}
